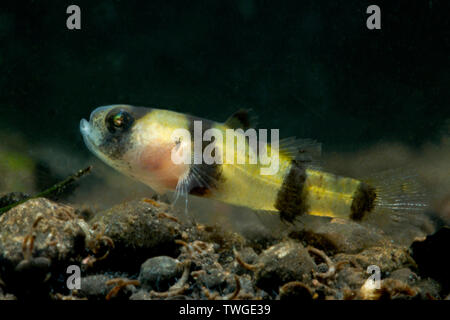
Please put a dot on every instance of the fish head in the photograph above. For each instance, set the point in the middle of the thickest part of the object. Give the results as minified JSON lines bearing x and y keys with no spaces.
{"x":109,"y":134}
{"x":135,"y":142}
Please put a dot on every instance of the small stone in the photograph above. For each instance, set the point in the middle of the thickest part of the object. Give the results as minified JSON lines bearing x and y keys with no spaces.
{"x":387,"y":258}
{"x":215,"y":279}
{"x":405,"y":275}
{"x":94,"y":287}
{"x":98,"y":287}
{"x":340,"y":236}
{"x":59,"y":238}
{"x":159,"y":273}
{"x":138,"y":231}
{"x":282,"y":263}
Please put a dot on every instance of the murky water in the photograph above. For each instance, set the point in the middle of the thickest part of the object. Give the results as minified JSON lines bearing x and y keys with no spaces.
{"x":377,"y":99}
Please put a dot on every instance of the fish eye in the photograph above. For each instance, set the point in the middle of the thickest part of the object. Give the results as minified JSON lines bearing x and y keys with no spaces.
{"x":118,"y":120}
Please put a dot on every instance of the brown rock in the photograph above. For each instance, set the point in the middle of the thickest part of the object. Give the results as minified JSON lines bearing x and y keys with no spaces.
{"x":139,"y":229}
{"x":387,"y":258}
{"x":59,"y":233}
{"x":281,"y":263}
{"x":340,"y":236}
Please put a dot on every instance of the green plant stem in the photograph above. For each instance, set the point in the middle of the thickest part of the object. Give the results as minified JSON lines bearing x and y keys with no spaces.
{"x":55,"y":189}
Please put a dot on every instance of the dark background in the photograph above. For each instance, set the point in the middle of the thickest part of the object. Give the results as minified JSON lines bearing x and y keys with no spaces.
{"x":310,"y":68}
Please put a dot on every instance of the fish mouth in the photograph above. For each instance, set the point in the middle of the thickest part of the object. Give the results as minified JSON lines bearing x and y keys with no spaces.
{"x":91,"y":137}
{"x":85,"y":126}
{"x":86,"y":129}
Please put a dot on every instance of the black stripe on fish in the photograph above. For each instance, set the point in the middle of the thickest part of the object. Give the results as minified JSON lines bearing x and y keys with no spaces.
{"x":203,"y":178}
{"x":291,"y":199}
{"x":363,"y":201}
{"x":239,"y":120}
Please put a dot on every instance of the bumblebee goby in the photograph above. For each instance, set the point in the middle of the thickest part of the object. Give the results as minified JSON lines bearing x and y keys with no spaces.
{"x":140,"y":142}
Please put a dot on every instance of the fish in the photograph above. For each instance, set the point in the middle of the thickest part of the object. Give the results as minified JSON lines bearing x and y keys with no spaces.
{"x":142,"y":143}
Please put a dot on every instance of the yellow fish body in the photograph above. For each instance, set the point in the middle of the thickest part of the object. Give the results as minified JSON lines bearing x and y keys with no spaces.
{"x":140,"y":142}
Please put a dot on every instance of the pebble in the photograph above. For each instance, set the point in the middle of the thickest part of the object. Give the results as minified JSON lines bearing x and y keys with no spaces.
{"x":159,"y":273}
{"x":282,"y":263}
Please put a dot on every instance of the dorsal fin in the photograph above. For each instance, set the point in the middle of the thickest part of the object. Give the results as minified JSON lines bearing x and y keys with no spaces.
{"x":306,"y":151}
{"x":240,"y":120}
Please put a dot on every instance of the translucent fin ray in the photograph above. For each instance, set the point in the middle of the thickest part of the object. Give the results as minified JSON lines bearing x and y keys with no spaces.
{"x":307,"y":151}
{"x":399,"y":190}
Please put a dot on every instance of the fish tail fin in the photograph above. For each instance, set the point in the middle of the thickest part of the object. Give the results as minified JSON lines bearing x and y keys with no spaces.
{"x":402,"y":207}
{"x":399,"y":190}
